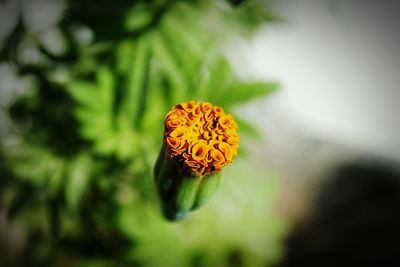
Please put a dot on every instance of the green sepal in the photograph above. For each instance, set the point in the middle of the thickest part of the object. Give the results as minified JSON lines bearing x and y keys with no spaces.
{"x":180,"y":191}
{"x":159,"y":164}
{"x":186,"y":193}
{"x":208,"y":187}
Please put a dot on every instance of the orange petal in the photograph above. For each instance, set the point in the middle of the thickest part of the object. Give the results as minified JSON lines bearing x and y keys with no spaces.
{"x":189,"y":106}
{"x":226,"y":150}
{"x":206,"y":107}
{"x":192,"y":164}
{"x":218,"y":111}
{"x":206,"y":135}
{"x":197,"y":112}
{"x":199,"y":150}
{"x":230,"y":132}
{"x":179,"y":132}
{"x":174,"y":123}
{"x":213,"y":144}
{"x":224,"y":121}
{"x":233,"y":140}
{"x":217,"y":155}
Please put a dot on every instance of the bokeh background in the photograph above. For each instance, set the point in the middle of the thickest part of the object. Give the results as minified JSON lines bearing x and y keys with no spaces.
{"x":314,"y":85}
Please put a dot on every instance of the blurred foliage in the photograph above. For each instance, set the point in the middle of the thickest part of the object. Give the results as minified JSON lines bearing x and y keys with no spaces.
{"x":76,"y":182}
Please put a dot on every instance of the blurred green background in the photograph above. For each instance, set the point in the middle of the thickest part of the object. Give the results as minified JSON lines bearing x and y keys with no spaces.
{"x":81,"y":125}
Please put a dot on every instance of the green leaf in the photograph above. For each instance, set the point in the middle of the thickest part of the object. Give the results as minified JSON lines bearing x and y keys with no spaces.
{"x":248,"y":128}
{"x":137,"y":80}
{"x":128,"y":144}
{"x":32,"y":163}
{"x":139,"y":16}
{"x":106,"y":88}
{"x":106,"y":142}
{"x":124,"y":54}
{"x":78,"y":180}
{"x":83,"y":92}
{"x":220,"y":76}
{"x":56,"y":176}
{"x":184,"y":35}
{"x":95,"y":110}
{"x":173,"y":71}
{"x":85,"y":114}
{"x":182,"y":44}
{"x":155,"y":107}
{"x":243,"y":92}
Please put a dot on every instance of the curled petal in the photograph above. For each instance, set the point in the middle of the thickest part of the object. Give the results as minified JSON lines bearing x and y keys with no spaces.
{"x":189,"y":106}
{"x":213,"y":144}
{"x":224,"y":121}
{"x":206,"y":135}
{"x":191,"y":118}
{"x":197,"y":112}
{"x":200,"y":150}
{"x":226,"y":150}
{"x":174,"y":114}
{"x":233,"y":140}
{"x":175,"y":145}
{"x":217,"y":155}
{"x":218,"y":111}
{"x":206,"y":107}
{"x":174,"y":123}
{"x":179,"y":132}
{"x":209,"y":116}
{"x":230,"y":132}
{"x":192,"y":164}
{"x":209,"y":126}
{"x":220,"y":131}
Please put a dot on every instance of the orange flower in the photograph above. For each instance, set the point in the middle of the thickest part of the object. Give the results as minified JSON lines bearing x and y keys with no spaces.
{"x":201,"y":137}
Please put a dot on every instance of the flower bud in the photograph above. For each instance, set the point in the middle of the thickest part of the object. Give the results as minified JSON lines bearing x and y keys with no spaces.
{"x":199,"y":140}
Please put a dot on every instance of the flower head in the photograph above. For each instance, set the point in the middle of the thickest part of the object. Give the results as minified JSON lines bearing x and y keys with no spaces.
{"x":201,"y":137}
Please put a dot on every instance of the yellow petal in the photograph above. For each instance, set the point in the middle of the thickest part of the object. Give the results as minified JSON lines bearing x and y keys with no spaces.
{"x":179,"y":132}
{"x":189,"y":106}
{"x":226,"y":150}
{"x":199,"y":150}
{"x":224,"y":121}
{"x":218,"y":111}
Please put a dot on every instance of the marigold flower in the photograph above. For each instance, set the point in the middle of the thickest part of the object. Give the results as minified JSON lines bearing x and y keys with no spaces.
{"x":204,"y":123}
{"x":199,"y":140}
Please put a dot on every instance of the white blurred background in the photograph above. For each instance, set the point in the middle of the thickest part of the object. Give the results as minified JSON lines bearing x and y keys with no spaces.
{"x":339,"y":66}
